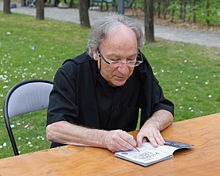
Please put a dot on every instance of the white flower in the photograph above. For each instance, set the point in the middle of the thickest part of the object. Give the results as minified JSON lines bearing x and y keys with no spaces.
{"x":209,"y":96}
{"x":8,"y":33}
{"x":176,"y":90}
{"x":196,"y":77}
{"x":183,"y":88}
{"x":33,"y":47}
{"x":12,"y":126}
{"x":26,"y":126}
{"x":5,"y":144}
{"x":34,"y":74}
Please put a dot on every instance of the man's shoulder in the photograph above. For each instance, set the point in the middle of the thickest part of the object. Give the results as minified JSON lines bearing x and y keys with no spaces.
{"x":78,"y":65}
{"x":83,"y":58}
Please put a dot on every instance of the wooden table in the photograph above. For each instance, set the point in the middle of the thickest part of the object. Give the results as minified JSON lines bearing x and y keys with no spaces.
{"x":203,"y":159}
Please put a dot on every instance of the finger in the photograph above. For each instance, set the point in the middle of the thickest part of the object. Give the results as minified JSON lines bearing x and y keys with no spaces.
{"x":140,"y":139}
{"x":121,"y":141}
{"x":152,"y":140}
{"x":127,"y":140}
{"x":159,"y":139}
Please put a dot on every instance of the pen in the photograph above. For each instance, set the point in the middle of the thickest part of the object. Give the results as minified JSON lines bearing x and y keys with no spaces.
{"x":136,"y":148}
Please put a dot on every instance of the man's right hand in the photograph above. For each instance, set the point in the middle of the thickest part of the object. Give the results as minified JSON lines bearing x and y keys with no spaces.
{"x":118,"y":140}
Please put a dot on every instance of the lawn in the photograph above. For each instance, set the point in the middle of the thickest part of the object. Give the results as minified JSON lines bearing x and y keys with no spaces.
{"x":189,"y":74}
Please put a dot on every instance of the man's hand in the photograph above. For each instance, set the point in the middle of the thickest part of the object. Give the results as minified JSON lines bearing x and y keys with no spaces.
{"x":152,"y":133}
{"x":118,"y":140}
{"x":152,"y":127}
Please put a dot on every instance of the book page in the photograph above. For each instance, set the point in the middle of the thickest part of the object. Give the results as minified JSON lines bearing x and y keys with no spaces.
{"x":147,"y":155}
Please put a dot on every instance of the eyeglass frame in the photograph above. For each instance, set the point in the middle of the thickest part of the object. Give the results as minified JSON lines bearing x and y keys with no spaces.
{"x":111,"y":62}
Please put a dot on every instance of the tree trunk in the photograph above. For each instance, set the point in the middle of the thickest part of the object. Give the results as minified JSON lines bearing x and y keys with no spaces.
{"x":158,"y":9}
{"x":7,"y":8}
{"x":40,"y":9}
{"x":207,"y":12}
{"x":83,"y":14}
{"x":149,"y":20}
{"x":190,"y":9}
{"x":194,"y":9}
{"x":172,"y":13}
{"x":166,"y":4}
{"x":184,"y":10}
{"x":181,"y":9}
{"x":57,"y":2}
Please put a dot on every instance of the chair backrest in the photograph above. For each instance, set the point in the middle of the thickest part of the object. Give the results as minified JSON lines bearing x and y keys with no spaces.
{"x":24,"y":97}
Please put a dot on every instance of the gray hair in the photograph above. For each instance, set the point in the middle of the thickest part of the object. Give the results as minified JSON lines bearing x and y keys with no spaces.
{"x":105,"y":24}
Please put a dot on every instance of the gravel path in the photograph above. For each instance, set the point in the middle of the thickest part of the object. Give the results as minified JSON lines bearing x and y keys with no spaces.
{"x":211,"y":39}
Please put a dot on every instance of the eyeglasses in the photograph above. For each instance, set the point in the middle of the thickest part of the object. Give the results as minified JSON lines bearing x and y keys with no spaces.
{"x":131,"y":63}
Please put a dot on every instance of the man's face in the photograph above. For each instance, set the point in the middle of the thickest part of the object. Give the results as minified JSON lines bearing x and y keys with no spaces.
{"x":119,"y":44}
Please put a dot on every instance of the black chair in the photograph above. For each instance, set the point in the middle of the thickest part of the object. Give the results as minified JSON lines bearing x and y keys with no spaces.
{"x":24,"y":97}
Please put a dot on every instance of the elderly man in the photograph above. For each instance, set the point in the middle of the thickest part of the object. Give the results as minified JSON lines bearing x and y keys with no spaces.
{"x":97,"y":96}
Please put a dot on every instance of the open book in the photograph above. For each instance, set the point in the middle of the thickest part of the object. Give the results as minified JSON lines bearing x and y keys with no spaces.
{"x":147,"y":154}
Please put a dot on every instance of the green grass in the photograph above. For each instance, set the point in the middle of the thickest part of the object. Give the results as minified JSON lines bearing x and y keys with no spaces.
{"x":189,"y":74}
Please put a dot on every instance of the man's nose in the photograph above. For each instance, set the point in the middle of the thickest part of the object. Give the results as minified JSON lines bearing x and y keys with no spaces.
{"x":123,"y":69}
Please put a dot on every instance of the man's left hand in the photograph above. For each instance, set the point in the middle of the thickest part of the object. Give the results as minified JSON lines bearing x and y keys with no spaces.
{"x":152,"y":127}
{"x":152,"y":133}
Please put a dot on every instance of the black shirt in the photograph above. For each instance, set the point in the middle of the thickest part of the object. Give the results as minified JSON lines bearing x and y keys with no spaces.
{"x":83,"y":97}
{"x":117,"y":106}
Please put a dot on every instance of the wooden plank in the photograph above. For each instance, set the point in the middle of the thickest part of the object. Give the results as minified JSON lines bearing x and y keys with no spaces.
{"x":203,"y":159}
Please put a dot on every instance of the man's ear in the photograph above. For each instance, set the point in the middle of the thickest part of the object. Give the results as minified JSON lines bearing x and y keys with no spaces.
{"x":95,"y":55}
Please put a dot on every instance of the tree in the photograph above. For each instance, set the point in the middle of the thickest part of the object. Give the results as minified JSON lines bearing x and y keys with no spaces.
{"x":6,"y":8}
{"x":158,"y":8}
{"x":149,"y":20}
{"x":207,"y":12}
{"x":40,"y":9}
{"x":83,"y":14}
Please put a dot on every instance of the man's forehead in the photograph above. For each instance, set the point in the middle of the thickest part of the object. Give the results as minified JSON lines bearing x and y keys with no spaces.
{"x":121,"y":28}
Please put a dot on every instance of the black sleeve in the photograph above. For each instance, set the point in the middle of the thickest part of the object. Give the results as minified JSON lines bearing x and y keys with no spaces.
{"x":63,"y":100}
{"x":159,"y":101}
{"x":152,"y":98}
